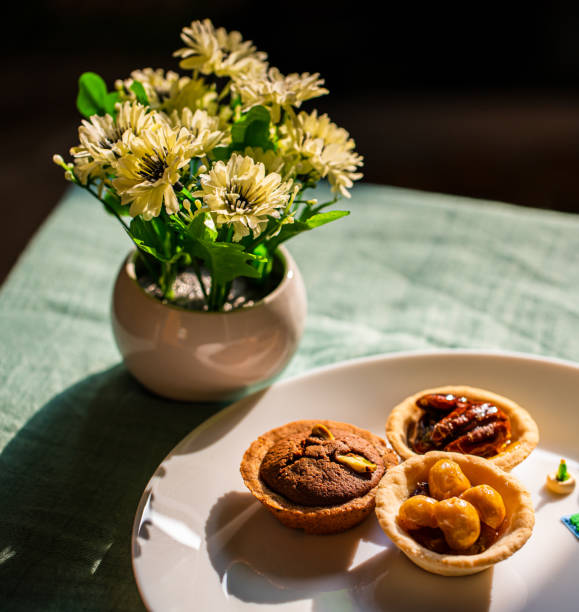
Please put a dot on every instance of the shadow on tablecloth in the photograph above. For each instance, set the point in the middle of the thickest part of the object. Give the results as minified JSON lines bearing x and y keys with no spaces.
{"x":70,"y":481}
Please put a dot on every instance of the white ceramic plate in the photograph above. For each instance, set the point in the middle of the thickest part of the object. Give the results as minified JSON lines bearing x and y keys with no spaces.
{"x":201,"y":542}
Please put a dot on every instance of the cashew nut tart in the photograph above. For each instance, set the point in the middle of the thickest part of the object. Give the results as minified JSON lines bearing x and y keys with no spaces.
{"x":454,"y":514}
{"x":319,"y":476}
{"x":463,"y":419}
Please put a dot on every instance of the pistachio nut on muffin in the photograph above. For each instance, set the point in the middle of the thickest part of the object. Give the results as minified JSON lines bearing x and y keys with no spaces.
{"x":319,"y":476}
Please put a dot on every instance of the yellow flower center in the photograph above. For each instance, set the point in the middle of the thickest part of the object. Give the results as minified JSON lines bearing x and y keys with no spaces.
{"x":236,"y":203}
{"x":151,"y":168}
{"x":107,"y":142}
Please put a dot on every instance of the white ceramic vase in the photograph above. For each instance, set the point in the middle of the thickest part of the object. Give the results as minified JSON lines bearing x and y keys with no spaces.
{"x":207,"y":356}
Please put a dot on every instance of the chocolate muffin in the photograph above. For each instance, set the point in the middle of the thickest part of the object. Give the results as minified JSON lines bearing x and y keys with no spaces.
{"x":319,"y":476}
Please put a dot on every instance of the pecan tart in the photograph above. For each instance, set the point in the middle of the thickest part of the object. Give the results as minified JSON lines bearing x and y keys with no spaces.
{"x":319,"y":476}
{"x":454,"y":514}
{"x":465,"y":420}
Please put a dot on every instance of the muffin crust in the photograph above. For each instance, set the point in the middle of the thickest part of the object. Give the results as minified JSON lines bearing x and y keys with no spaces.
{"x":316,"y":519}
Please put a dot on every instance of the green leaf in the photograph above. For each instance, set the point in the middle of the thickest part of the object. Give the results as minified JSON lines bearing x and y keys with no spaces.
{"x":297,"y":227}
{"x":263,"y":267}
{"x":110,"y":100}
{"x":202,"y":228}
{"x":220,"y":153}
{"x":326,"y":217}
{"x":287,"y":231}
{"x":143,"y":246}
{"x":252,"y":130}
{"x":155,"y":238}
{"x":92,"y":91}
{"x":257,"y":135}
{"x":139,"y":91}
{"x":113,"y":204}
{"x":226,"y":260}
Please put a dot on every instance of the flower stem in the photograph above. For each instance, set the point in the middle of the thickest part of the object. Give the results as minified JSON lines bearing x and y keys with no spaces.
{"x":166,"y":281}
{"x":200,"y":279}
{"x":106,"y":205}
{"x":316,"y":209}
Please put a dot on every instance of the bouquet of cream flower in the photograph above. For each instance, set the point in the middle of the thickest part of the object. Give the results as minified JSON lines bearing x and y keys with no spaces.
{"x":211,"y":167}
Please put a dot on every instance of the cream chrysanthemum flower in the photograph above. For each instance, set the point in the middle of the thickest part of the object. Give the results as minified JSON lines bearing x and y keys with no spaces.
{"x":216,"y":51}
{"x":240,"y":193}
{"x":101,"y":138}
{"x":161,"y":87}
{"x":320,"y":147}
{"x":276,"y":90}
{"x":196,"y":94}
{"x":203,"y":128}
{"x":94,"y":155}
{"x":135,"y":118}
{"x":146,"y":175}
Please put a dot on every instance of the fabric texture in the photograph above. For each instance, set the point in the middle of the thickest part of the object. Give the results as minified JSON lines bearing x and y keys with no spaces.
{"x":79,"y":438}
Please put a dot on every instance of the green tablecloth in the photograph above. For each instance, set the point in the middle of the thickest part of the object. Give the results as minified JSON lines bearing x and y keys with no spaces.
{"x":80,"y":438}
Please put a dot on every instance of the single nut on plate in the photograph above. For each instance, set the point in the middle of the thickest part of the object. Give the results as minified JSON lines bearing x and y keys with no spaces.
{"x":321,"y":431}
{"x":417,"y":512}
{"x":488,"y":503}
{"x":446,"y":479}
{"x":356,"y":462}
{"x":459,"y":522}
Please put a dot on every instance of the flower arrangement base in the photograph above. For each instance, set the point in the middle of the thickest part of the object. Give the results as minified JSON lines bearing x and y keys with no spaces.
{"x":187,"y":292}
{"x":215,"y":169}
{"x":192,"y":355}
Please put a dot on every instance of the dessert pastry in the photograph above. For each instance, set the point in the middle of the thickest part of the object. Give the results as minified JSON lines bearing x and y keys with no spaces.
{"x":319,"y":476}
{"x":561,"y":481}
{"x":454,"y":535}
{"x":465,"y":420}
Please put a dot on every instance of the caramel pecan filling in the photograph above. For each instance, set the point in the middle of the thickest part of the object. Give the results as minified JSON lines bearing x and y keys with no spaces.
{"x":459,"y":424}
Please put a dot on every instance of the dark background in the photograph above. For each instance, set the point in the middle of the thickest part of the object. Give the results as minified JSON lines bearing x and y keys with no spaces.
{"x":481,"y":101}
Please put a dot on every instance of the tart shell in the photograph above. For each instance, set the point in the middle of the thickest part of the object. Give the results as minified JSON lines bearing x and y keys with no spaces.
{"x":524,"y":430}
{"x":312,"y":519}
{"x":399,"y":483}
